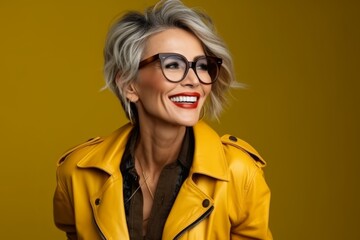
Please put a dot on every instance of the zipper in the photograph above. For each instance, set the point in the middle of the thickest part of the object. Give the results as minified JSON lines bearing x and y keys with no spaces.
{"x":197,"y":221}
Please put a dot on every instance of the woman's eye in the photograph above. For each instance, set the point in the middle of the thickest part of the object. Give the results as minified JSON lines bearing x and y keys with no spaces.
{"x":172,"y":65}
{"x":202,"y":66}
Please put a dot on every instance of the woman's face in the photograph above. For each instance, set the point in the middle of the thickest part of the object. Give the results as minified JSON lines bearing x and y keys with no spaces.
{"x":161,"y":101}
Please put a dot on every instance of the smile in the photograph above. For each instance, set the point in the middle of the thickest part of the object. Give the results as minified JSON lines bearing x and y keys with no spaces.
{"x":186,"y":100}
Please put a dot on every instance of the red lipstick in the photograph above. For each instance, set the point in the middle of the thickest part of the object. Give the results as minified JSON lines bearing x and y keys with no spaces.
{"x":186,"y":99}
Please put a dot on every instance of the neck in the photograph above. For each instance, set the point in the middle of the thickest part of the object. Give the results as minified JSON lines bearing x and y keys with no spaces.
{"x":158,"y":145}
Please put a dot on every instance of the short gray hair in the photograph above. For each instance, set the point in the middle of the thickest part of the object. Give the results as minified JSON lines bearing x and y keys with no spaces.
{"x":126,"y":41}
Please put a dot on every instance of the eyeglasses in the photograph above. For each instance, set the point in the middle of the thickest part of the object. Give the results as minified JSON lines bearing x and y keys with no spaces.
{"x":175,"y":67}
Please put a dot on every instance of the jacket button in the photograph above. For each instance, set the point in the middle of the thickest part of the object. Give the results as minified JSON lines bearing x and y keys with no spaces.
{"x":233,"y":138}
{"x":206,"y":203}
{"x":97,"y":201}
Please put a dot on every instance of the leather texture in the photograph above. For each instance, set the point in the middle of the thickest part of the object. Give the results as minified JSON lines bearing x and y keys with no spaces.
{"x":224,"y":197}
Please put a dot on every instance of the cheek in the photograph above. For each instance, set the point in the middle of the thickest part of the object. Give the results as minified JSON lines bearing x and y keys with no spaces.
{"x":152,"y":83}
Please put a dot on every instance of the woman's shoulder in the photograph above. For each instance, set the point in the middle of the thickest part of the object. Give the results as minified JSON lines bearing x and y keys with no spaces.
{"x":80,"y":149}
{"x":245,"y":165}
{"x":238,"y":151}
{"x":70,"y":158}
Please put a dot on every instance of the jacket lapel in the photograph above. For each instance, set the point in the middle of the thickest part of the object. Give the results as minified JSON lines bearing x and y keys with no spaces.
{"x":107,"y":203}
{"x":189,"y":207}
{"x":108,"y":209}
{"x":194,"y":200}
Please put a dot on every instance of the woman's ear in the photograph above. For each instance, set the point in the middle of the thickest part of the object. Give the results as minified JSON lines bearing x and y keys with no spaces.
{"x":131,"y":93}
{"x":118,"y":79}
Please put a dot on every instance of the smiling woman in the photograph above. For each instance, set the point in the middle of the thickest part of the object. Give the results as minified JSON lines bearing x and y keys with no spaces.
{"x":165,"y":175}
{"x":155,"y":96}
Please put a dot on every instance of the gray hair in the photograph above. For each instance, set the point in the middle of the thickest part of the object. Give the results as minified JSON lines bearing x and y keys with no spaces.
{"x":126,"y":41}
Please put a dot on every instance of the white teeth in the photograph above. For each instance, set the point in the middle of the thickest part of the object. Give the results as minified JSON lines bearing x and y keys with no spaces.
{"x":188,"y":99}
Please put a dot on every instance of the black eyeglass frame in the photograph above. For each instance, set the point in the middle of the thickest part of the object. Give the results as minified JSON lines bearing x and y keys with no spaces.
{"x":192,"y":65}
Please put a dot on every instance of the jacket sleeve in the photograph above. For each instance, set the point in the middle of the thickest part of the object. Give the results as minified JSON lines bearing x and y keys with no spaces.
{"x":63,"y":204}
{"x":63,"y":210}
{"x":254,"y":211}
{"x":249,"y":200}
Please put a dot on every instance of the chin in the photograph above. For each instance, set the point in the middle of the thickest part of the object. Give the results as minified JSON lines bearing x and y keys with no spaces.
{"x":188,"y":122}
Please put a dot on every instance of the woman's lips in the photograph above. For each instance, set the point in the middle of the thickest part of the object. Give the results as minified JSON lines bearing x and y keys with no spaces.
{"x":186,"y":100}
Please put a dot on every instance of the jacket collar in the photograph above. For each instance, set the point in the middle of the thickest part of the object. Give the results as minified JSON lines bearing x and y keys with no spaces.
{"x":107,"y":154}
{"x":209,"y":157}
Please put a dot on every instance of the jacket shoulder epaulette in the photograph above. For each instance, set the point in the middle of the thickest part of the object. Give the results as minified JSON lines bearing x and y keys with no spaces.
{"x":90,"y":142}
{"x":231,"y":140}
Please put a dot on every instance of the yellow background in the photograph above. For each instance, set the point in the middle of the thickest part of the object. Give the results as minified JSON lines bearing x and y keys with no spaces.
{"x":300,"y":60}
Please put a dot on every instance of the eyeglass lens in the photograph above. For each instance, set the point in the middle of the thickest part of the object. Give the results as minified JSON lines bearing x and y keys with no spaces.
{"x":176,"y":67}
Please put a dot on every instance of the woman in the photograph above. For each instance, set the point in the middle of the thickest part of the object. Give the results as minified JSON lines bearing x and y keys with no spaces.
{"x":165,"y":175}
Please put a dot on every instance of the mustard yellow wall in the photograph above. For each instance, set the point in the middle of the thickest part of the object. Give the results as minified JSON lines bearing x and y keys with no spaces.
{"x":301,"y":109}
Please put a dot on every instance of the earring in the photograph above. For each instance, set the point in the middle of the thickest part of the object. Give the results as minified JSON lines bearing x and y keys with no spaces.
{"x":129,"y":112}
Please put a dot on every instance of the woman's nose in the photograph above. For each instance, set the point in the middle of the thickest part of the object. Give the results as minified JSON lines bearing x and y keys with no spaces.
{"x":191,"y":79}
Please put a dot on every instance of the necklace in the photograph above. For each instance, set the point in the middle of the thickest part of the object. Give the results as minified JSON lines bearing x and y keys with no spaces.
{"x":145,"y":180}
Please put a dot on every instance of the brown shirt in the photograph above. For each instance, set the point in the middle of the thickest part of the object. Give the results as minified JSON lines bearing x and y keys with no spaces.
{"x":169,"y":183}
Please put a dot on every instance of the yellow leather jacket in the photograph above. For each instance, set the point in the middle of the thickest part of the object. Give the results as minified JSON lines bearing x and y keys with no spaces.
{"x":224,"y":197}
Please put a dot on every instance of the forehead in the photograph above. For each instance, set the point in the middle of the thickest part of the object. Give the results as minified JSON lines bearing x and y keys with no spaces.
{"x":174,"y":40}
